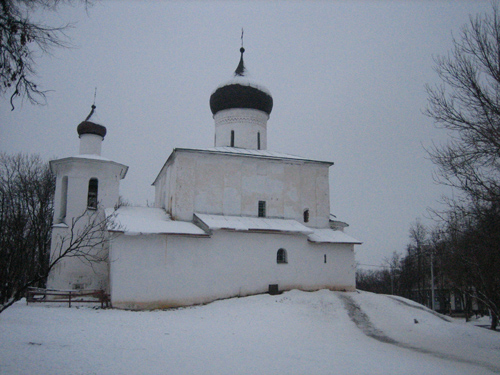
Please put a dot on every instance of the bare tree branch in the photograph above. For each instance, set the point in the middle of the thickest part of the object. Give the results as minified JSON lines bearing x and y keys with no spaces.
{"x":20,"y":39}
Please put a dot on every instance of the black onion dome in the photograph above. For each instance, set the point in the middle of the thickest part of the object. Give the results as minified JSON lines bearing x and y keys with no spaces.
{"x":87,"y":127}
{"x":241,"y":93}
{"x":240,"y":96}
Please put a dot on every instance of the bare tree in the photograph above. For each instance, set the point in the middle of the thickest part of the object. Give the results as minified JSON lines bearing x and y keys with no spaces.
{"x":394,"y":266}
{"x":21,"y":39}
{"x":467,"y":104}
{"x":26,"y":212}
{"x":418,"y":259}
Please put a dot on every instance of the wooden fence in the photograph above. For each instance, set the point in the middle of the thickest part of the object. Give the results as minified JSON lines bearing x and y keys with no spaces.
{"x":68,"y":296}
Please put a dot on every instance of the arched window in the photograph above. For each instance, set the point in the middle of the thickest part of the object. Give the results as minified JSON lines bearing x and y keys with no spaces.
{"x":92,"y":195}
{"x":281,"y":257}
{"x":258,"y":140}
{"x":306,"y":215}
{"x":64,"y":199}
{"x":232,"y":138}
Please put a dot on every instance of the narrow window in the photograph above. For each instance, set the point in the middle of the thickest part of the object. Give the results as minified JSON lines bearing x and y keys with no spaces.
{"x":325,"y":258}
{"x":258,"y":140}
{"x":306,"y":215}
{"x":64,"y":199}
{"x":281,"y":257}
{"x":262,"y":208}
{"x":92,"y":195}
{"x":232,"y":138}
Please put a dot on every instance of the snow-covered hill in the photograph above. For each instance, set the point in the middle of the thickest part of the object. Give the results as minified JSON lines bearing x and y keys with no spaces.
{"x":296,"y":332}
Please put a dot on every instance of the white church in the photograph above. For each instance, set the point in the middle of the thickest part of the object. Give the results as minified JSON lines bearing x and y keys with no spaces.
{"x":231,"y":220}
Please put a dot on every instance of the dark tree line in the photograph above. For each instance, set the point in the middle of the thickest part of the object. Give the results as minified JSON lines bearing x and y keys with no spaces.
{"x":26,"y":209}
{"x":458,"y":258}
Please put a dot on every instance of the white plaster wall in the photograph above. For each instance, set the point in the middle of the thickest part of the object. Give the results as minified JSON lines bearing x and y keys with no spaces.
{"x":79,"y":172}
{"x":90,"y":144}
{"x":245,"y":123}
{"x":163,"y":271}
{"x":233,"y":185}
{"x":73,"y":272}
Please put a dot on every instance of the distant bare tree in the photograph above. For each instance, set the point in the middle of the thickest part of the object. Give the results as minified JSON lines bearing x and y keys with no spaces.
{"x":471,"y":256}
{"x":394,"y":267}
{"x":21,"y":40}
{"x":375,"y":281}
{"x":383,"y":280}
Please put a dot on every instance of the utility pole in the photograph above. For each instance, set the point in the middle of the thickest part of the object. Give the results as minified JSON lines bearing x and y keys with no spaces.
{"x":392,"y":281}
{"x":432,"y":281}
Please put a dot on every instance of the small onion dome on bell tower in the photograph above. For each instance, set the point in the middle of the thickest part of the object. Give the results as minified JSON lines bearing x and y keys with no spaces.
{"x":88,"y":127}
{"x":91,"y":135}
{"x":240,"y":92}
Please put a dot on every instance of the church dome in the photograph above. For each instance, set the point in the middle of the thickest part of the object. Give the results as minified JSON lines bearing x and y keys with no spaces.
{"x":240,"y":92}
{"x":88,"y":127}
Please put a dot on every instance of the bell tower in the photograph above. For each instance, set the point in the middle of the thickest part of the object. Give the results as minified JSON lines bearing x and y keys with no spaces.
{"x":86,"y":184}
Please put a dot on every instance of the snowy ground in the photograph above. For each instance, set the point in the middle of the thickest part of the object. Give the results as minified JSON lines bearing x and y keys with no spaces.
{"x":293,"y":333}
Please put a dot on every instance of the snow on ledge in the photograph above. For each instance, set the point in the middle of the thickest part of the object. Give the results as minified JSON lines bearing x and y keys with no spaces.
{"x":91,"y":157}
{"x":332,"y":236}
{"x":148,"y":220}
{"x":243,"y":223}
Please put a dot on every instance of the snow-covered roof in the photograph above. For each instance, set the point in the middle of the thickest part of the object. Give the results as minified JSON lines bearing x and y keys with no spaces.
{"x":245,"y":80}
{"x":332,"y":236}
{"x":243,"y":223}
{"x":249,"y":152}
{"x":89,"y":157}
{"x":148,"y":220}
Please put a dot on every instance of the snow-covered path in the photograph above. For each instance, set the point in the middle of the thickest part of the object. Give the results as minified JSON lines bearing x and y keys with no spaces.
{"x":362,"y":321}
{"x":292,"y":333}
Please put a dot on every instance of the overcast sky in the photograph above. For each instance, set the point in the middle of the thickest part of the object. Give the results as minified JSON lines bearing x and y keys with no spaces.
{"x":347,"y":79}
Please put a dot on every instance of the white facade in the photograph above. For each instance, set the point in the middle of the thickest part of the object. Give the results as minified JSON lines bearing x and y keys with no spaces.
{"x":159,"y":271}
{"x":231,"y":220}
{"x":228,"y":181}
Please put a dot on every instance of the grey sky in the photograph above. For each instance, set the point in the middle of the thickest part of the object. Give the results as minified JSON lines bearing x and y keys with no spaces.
{"x":347,"y":79}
